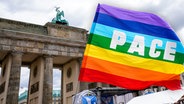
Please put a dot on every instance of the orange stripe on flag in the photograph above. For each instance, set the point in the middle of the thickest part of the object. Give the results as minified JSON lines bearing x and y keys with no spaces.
{"x":126,"y":71}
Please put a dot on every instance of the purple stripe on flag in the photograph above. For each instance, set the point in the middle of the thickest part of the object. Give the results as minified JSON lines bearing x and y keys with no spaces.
{"x":124,"y":14}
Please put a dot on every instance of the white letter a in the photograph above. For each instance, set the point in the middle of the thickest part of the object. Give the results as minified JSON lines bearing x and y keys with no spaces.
{"x":137,"y":45}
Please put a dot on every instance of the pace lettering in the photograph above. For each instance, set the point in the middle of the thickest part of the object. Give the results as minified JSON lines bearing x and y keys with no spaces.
{"x":138,"y":46}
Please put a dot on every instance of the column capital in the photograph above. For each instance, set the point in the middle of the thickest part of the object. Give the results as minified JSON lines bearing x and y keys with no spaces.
{"x":46,"y":55}
{"x":80,"y":60}
{"x":16,"y":53}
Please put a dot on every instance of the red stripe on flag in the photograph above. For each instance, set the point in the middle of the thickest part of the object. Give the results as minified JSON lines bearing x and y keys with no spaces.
{"x":89,"y":75}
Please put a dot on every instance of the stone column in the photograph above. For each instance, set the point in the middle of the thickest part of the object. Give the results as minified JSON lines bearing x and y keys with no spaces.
{"x":14,"y":79}
{"x":48,"y":80}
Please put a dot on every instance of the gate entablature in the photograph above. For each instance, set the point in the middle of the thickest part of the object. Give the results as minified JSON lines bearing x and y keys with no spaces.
{"x":50,"y":39}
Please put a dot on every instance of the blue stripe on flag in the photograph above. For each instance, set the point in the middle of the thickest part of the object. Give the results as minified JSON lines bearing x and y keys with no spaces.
{"x":135,"y":26}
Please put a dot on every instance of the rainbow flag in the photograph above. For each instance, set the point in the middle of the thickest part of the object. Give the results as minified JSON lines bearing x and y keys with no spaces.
{"x":133,"y":50}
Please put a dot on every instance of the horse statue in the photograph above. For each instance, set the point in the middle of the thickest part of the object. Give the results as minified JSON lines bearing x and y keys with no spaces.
{"x":59,"y":19}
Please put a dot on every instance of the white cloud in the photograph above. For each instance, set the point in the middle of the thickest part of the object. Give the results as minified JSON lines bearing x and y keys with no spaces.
{"x":24,"y":78}
{"x":56,"y":79}
{"x":181,"y":35}
{"x":80,"y":13}
{"x":173,"y":13}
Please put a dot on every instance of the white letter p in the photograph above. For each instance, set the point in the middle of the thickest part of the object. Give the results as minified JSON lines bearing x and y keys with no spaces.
{"x":118,"y":38}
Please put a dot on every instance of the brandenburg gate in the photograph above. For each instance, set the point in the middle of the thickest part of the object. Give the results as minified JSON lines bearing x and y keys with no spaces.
{"x":41,"y":48}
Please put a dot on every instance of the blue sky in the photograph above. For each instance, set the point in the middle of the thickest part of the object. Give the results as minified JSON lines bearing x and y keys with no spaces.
{"x":80,"y":14}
